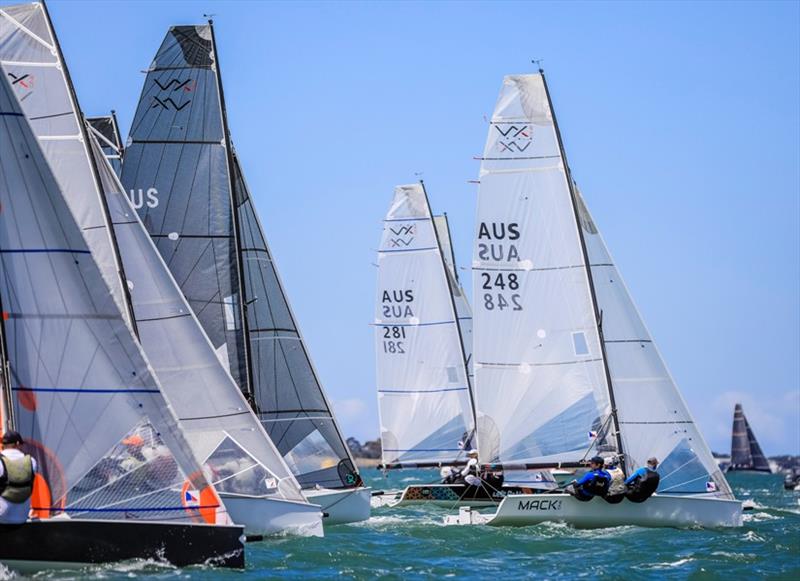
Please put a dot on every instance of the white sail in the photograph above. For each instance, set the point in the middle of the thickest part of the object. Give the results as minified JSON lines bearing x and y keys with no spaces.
{"x":223,"y":431}
{"x":654,"y":419}
{"x":84,"y":399}
{"x":423,"y":389}
{"x":540,"y":385}
{"x":463,"y":310}
{"x":32,"y":62}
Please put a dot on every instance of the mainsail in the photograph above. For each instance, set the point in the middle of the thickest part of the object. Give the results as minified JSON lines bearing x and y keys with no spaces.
{"x":223,"y":432}
{"x":201,"y":215}
{"x":463,"y":310}
{"x":423,"y":388}
{"x":106,"y":129}
{"x":83,"y":397}
{"x":567,"y":355}
{"x":746,"y":453}
{"x":540,"y":383}
{"x":32,"y":62}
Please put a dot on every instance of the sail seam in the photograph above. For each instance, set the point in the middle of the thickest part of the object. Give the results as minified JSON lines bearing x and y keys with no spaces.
{"x":539,"y":364}
{"x":410,"y":249}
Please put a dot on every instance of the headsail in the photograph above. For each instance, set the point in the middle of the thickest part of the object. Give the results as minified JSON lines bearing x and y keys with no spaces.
{"x":654,"y":419}
{"x":223,"y":432}
{"x":176,"y":162}
{"x":84,"y":399}
{"x":286,"y":390}
{"x":106,"y":130}
{"x":746,"y":453}
{"x":423,"y":390}
{"x":540,"y":384}
{"x":32,"y":62}
{"x":463,"y":310}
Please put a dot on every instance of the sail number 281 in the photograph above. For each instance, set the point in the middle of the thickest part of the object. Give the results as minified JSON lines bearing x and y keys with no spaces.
{"x":391,"y":340}
{"x":500,"y":300}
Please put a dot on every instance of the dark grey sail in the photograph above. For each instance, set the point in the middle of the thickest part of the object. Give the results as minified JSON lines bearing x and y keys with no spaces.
{"x":106,"y":129}
{"x":746,"y":454}
{"x":176,"y":173}
{"x":287,"y":393}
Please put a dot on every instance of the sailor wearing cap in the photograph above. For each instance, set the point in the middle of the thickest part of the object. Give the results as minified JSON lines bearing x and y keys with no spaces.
{"x":594,"y":483}
{"x":17,"y":471}
{"x":470,"y":471}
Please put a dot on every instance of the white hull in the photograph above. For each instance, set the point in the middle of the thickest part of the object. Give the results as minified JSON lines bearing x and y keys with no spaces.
{"x":342,"y":506}
{"x":441,"y":495}
{"x":271,"y":516}
{"x":657,"y":511}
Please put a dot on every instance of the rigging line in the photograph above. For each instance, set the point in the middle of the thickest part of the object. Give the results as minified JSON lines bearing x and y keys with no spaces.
{"x":392,"y":324}
{"x":51,"y":116}
{"x":214,"y":417}
{"x":592,"y":360}
{"x":408,"y":249}
{"x":423,"y":390}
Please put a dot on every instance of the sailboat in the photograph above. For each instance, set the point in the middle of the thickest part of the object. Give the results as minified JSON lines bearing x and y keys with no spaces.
{"x":423,"y":378}
{"x":116,"y":478}
{"x":746,"y":454}
{"x":106,"y":129}
{"x":224,"y":435}
{"x":180,"y":163}
{"x":564,"y":366}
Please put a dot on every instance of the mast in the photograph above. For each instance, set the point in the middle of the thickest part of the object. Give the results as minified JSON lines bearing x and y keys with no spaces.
{"x":81,"y":121}
{"x":236,"y":227}
{"x":6,"y":405}
{"x":452,"y":250}
{"x":597,"y":313}
{"x":455,"y":313}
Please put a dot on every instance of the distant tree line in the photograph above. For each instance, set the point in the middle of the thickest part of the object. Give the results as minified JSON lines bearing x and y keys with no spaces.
{"x":370,"y":449}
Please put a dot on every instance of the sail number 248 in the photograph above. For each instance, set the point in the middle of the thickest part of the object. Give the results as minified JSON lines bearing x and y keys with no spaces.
{"x":500,"y":300}
{"x":392,"y":342}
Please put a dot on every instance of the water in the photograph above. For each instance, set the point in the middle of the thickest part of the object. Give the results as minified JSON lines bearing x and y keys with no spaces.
{"x":413,"y":544}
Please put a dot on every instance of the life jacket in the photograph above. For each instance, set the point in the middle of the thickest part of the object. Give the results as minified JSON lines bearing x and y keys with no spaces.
{"x":644,"y":487}
{"x":598,"y":485}
{"x":17,"y":480}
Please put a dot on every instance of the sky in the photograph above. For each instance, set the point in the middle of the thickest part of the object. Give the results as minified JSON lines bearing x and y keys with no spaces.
{"x":681,"y":122}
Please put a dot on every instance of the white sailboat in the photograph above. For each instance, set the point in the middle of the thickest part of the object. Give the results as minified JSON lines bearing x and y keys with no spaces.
{"x":116,"y":477}
{"x":424,"y":392}
{"x":564,"y":366}
{"x":225,"y":437}
{"x":186,"y":183}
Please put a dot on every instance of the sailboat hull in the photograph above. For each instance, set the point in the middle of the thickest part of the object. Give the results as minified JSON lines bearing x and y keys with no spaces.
{"x":342,"y":506}
{"x":57,"y":543}
{"x":446,"y":495}
{"x":657,"y":511}
{"x":263,"y":516}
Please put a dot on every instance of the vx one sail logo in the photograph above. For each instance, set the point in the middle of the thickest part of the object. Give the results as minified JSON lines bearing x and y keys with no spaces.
{"x":514,"y":138}
{"x":403,"y":236}
{"x":23,"y":83}
{"x":172,"y":86}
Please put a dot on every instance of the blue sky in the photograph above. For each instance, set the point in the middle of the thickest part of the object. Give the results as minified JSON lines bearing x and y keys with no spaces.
{"x":681,"y":122}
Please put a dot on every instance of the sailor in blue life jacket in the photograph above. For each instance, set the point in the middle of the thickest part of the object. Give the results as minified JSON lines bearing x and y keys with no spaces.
{"x":643,"y":483}
{"x":594,"y":483}
{"x":17,"y":471}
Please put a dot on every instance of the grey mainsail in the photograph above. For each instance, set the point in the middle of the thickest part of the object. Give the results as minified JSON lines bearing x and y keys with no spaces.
{"x":106,"y":129}
{"x":746,"y":453}
{"x":201,"y":216}
{"x":83,"y":397}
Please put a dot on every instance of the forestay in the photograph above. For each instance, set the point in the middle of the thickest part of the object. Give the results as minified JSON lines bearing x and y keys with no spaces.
{"x":106,"y":131}
{"x":32,"y":62}
{"x":540,"y":386}
{"x":654,"y":419}
{"x":463,"y":310}
{"x":84,"y":399}
{"x":224,"y":433}
{"x":288,"y":396}
{"x":176,"y":173}
{"x":423,"y":390}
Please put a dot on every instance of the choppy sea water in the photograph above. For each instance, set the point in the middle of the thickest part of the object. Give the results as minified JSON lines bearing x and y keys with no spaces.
{"x":413,"y":544}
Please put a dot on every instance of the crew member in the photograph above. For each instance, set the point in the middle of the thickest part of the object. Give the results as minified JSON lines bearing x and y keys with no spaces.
{"x":644,"y":482}
{"x":594,"y":483}
{"x":17,"y":471}
{"x":617,"y":485}
{"x":470,"y":471}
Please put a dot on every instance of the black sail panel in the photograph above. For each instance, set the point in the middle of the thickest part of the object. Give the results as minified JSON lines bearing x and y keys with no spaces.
{"x":760,"y":461}
{"x":288,"y":395}
{"x":176,"y":174}
{"x":746,"y":454}
{"x":107,"y":132}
